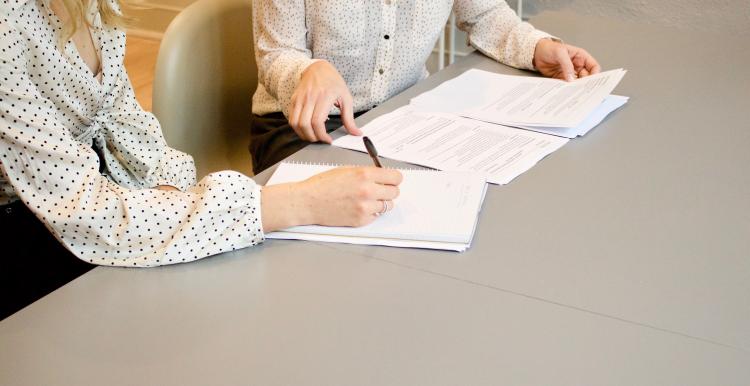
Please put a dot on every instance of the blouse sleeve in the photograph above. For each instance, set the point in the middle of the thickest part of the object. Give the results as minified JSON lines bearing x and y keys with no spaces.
{"x":496,"y":30}
{"x":99,"y":221}
{"x":280,"y":46}
{"x":174,"y":167}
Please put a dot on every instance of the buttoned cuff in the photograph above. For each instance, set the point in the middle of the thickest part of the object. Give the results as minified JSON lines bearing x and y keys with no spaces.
{"x":175,"y":169}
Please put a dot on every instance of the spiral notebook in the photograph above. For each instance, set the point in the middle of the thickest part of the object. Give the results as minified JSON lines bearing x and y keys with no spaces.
{"x":435,"y":210}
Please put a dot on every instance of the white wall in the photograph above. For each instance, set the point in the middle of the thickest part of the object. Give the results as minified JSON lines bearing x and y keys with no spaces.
{"x":726,"y":16}
{"x":153,"y":16}
{"x":730,"y":16}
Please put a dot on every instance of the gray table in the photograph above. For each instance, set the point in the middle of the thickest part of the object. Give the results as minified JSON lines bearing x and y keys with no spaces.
{"x":622,"y":259}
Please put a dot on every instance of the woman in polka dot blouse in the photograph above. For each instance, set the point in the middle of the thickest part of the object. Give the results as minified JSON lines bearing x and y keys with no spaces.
{"x":322,"y":62}
{"x":87,"y":177}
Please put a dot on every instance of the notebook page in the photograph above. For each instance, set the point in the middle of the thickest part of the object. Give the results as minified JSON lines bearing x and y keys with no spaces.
{"x":433,"y":206}
{"x":401,"y":243}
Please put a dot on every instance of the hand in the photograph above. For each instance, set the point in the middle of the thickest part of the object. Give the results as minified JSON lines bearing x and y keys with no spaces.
{"x":563,"y":61}
{"x":320,"y":88}
{"x":348,"y":196}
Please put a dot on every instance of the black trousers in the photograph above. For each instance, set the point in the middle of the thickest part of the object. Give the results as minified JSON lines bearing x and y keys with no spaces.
{"x":272,"y":139}
{"x":33,"y":262}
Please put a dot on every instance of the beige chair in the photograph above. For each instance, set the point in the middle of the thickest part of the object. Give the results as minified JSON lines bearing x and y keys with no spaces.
{"x":205,"y":77}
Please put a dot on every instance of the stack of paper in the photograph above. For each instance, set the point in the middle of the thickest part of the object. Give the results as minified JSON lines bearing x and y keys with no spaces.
{"x":567,"y":109}
{"x":496,"y":125}
{"x":435,"y":210}
{"x":450,"y":142}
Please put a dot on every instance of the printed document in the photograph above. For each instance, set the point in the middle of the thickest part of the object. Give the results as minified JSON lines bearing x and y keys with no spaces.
{"x":610,"y":104}
{"x":521,"y":100}
{"x":454,"y":143}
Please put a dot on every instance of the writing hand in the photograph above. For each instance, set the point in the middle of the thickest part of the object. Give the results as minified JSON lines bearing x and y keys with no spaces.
{"x":346,"y":196}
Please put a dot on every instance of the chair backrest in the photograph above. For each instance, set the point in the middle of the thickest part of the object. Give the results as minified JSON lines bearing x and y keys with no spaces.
{"x":204,"y":81}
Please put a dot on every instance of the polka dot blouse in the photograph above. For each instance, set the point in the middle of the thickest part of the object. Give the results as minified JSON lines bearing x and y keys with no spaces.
{"x":379,"y":47}
{"x":83,"y":155}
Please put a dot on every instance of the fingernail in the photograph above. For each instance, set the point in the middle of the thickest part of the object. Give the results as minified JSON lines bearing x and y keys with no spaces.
{"x":570,"y":77}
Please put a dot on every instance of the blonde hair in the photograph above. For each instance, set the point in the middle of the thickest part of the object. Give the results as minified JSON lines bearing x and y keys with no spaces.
{"x":77,"y":12}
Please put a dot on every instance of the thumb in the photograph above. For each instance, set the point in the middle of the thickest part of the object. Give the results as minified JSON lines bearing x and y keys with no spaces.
{"x":347,"y":115}
{"x":566,"y":65}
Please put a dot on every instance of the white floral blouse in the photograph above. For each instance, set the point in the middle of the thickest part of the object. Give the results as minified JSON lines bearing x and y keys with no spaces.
{"x":83,"y":155}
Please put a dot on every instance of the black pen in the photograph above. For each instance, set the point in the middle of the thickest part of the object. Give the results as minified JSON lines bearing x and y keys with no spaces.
{"x":372,"y":151}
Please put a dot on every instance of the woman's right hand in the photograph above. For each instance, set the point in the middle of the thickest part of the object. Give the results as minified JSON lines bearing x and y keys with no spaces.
{"x":347,"y":196}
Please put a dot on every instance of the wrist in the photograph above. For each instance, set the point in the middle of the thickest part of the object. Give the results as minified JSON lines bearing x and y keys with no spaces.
{"x":283,"y":206}
{"x":300,"y":201}
{"x":539,"y":47}
{"x":314,"y":65}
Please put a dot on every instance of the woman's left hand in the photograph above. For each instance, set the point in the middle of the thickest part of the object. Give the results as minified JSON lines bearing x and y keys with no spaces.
{"x":562,"y":61}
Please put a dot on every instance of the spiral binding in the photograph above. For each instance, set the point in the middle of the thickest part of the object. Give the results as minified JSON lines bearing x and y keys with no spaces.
{"x":307,"y":163}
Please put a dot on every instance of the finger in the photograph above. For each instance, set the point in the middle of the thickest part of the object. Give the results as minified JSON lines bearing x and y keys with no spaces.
{"x":305,"y":121}
{"x":373,"y":207}
{"x":346,"y":104}
{"x":384,"y":176}
{"x":389,"y":205}
{"x":385,"y":207}
{"x":320,"y":116}
{"x":578,"y":58}
{"x":294,"y":111}
{"x":592,"y":66}
{"x":584,"y":61}
{"x":364,"y":213}
{"x":384,"y":192}
{"x":583,"y":73}
{"x":566,"y":66}
{"x":378,"y":207}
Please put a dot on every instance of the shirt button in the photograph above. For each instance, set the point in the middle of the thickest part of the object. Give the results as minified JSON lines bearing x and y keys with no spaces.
{"x":386,"y":37}
{"x":381,"y":71}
